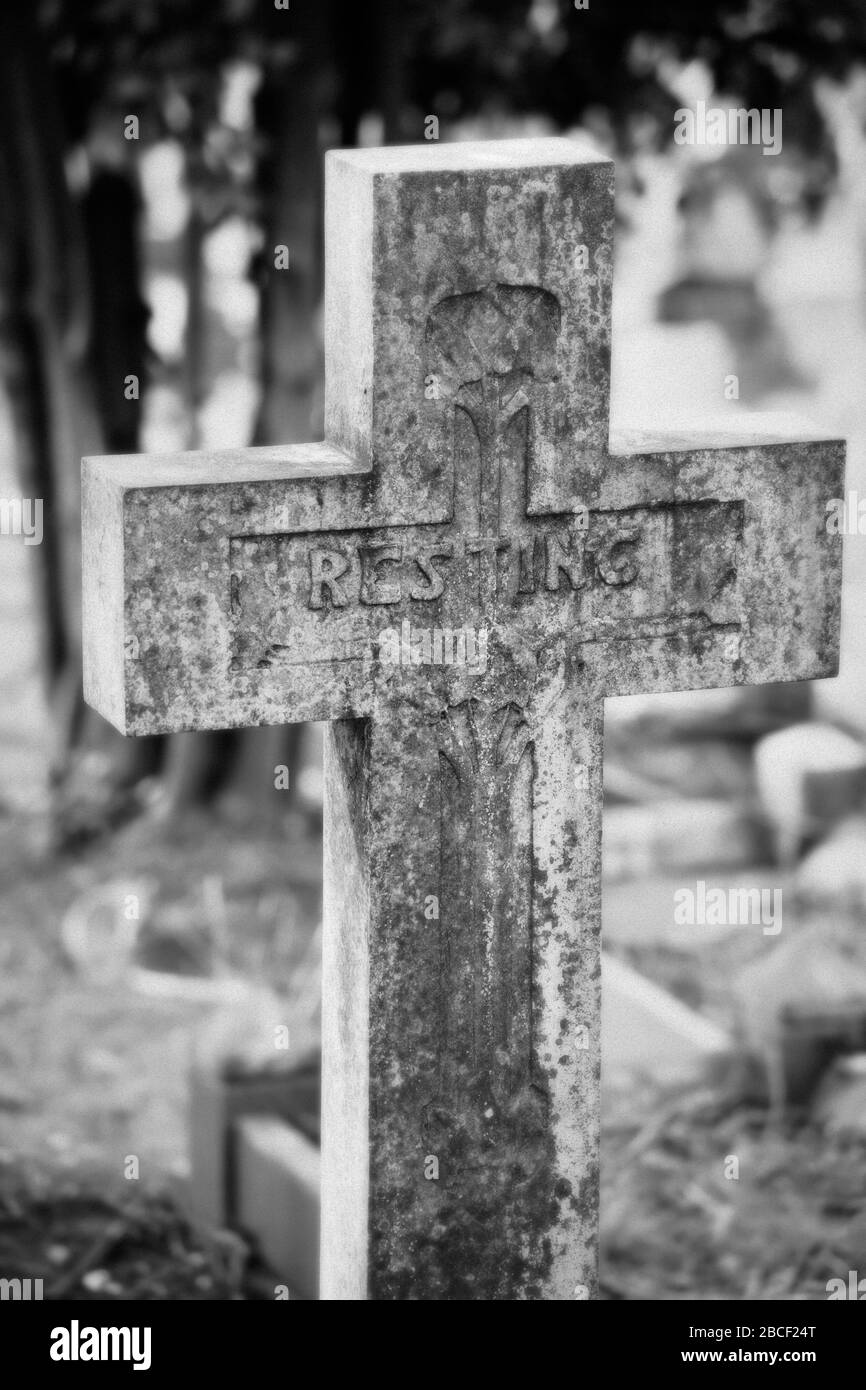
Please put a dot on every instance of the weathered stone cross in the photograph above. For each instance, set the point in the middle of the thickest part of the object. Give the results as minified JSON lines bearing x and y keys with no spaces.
{"x":467,"y":482}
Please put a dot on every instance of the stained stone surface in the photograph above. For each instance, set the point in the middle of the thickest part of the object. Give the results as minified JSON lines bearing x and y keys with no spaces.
{"x":468,"y":486}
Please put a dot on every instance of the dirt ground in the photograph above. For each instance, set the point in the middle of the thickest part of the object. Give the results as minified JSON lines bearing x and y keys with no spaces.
{"x":91,"y":1074}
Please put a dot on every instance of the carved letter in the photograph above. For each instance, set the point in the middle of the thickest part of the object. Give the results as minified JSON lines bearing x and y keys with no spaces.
{"x":372,"y":591}
{"x":558,"y":558}
{"x":326,"y":566}
{"x":424,"y":560}
{"x":527,"y":563}
{"x":613,"y":565}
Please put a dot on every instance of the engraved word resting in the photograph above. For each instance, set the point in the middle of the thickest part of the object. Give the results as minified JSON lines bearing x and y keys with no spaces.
{"x":388,"y":573}
{"x":304,"y":598}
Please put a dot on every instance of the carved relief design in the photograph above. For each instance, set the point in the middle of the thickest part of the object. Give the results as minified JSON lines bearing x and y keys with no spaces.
{"x":483,"y":350}
{"x":486,"y":773}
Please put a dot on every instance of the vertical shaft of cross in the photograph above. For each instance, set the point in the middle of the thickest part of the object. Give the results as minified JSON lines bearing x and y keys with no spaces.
{"x":461,"y":991}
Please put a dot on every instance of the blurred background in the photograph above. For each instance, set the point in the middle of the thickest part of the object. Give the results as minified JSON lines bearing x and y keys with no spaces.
{"x":161,"y":897}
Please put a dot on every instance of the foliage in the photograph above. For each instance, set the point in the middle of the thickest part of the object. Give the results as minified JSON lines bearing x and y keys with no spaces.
{"x":621,"y":62}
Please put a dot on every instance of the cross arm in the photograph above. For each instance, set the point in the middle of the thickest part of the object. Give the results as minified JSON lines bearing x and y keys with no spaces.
{"x":158,"y":532}
{"x":753,"y":578}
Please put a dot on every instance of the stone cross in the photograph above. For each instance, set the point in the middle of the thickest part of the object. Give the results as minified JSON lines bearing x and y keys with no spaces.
{"x":455,"y":580}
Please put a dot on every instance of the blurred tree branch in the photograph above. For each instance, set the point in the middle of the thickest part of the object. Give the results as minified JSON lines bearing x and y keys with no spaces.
{"x":72,"y":313}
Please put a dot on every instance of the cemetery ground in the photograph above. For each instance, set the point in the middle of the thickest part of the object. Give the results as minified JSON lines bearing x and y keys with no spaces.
{"x":94,"y":1073}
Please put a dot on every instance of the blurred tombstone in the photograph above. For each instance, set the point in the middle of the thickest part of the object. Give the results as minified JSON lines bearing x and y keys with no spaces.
{"x":277,"y":1202}
{"x":800,"y":1003}
{"x":218,"y":1100}
{"x":257,"y":1055}
{"x":647,"y":1032}
{"x":728,"y":222}
{"x":834,"y":872}
{"x":667,"y":834}
{"x":100,"y":929}
{"x":809,"y":776}
{"x":840,"y":1106}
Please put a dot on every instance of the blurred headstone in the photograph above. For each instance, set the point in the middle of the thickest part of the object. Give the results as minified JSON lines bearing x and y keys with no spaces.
{"x":278,"y":1175}
{"x":808,"y":777}
{"x":646,"y":1032}
{"x":661,"y":836}
{"x":834,"y":872}
{"x":797,"y":1004}
{"x":217,"y":1101}
{"x":728,"y":214}
{"x":840,"y":1106}
{"x":100,"y":929}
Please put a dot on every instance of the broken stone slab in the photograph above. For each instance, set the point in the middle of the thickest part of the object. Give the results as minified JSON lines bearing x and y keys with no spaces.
{"x":678,"y":834}
{"x":643,"y":911}
{"x":216,"y":1103}
{"x":809,"y":986}
{"x":840,"y":1105}
{"x":808,"y":776}
{"x":646,"y":1031}
{"x":278,"y":1205}
{"x":833,"y":874}
{"x":655,"y":762}
{"x":743,"y":714}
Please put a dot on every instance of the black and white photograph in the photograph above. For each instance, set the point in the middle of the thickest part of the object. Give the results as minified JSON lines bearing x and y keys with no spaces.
{"x":433,"y":667}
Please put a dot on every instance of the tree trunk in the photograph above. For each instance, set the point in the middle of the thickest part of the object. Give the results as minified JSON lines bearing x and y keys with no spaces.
{"x":45,"y":334}
{"x":194,"y":763}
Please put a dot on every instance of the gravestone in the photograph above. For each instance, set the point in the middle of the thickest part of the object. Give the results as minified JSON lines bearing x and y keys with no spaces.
{"x":467,"y":488}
